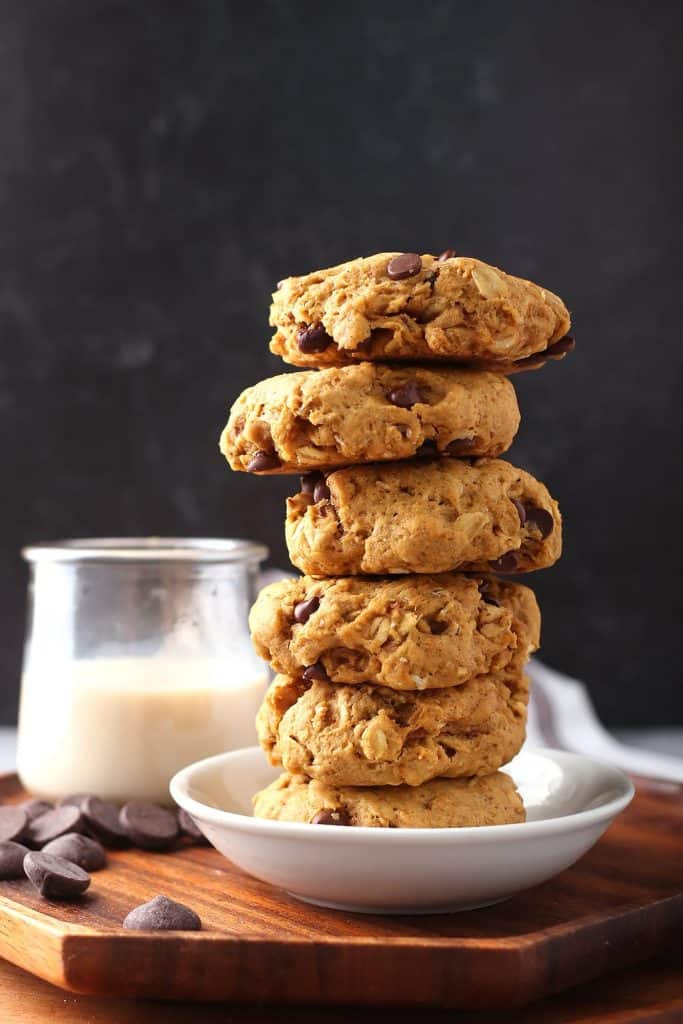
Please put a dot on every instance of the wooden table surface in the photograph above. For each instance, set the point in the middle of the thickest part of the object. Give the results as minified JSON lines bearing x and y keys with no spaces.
{"x":652,"y":992}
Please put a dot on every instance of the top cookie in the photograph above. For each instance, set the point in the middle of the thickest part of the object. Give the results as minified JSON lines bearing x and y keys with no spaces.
{"x":401,"y":306}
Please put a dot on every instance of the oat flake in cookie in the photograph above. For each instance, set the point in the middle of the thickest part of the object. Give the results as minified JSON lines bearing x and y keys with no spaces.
{"x":405,"y":306}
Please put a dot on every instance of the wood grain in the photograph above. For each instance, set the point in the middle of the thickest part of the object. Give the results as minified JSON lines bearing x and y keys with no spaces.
{"x":651,"y":993}
{"x":621,"y":904}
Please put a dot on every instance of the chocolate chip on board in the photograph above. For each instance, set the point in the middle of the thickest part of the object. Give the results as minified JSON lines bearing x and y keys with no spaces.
{"x":73,"y":799}
{"x":304,"y":609}
{"x":54,"y":823}
{"x":54,"y":877}
{"x":407,"y":396}
{"x":261,"y":462}
{"x":313,"y":338}
{"x":78,"y":849}
{"x":149,"y":826}
{"x":102,"y":819}
{"x":12,"y":861}
{"x":34,"y":808}
{"x":406,"y":265}
{"x":189,"y":827}
{"x":163,"y":915}
{"x":13,"y":822}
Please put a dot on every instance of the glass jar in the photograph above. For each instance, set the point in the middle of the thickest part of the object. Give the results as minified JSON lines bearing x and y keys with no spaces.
{"x":137,"y":662}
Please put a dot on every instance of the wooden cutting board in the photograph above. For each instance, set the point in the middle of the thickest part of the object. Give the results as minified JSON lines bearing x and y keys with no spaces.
{"x":621,"y":904}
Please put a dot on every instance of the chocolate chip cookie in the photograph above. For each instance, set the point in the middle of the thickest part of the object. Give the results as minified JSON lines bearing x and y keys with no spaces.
{"x":423,"y":517}
{"x":368,"y":413}
{"x":403,"y":306}
{"x":442,"y":803}
{"x":407,"y":633}
{"x":373,"y":736}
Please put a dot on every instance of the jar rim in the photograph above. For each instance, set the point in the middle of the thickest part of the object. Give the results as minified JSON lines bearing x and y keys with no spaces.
{"x":147,"y":549}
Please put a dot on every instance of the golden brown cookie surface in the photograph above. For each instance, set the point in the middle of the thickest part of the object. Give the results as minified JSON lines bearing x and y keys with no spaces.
{"x":403,"y":306}
{"x":442,"y":803}
{"x":407,"y":633}
{"x":434,"y":516}
{"x":370,"y":412}
{"x":373,"y":736}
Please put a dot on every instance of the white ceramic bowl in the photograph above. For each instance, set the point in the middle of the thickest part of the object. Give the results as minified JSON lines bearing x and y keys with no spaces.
{"x":570,"y":800}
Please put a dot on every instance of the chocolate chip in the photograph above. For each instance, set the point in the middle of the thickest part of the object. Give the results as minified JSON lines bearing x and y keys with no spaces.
{"x":12,"y":861}
{"x":447,"y":254}
{"x":54,"y":823}
{"x":406,"y":265}
{"x":304,"y":609}
{"x":561,"y":347}
{"x":163,"y":915}
{"x":102,"y":819}
{"x":78,"y":849}
{"x":484,"y":585}
{"x":189,"y":827}
{"x":73,"y":800}
{"x":541,"y":518}
{"x":330,"y":817}
{"x":34,"y":808}
{"x":521,"y":511}
{"x":407,"y":395}
{"x":437,"y":626}
{"x":316,"y":671}
{"x":309,"y":480}
{"x":427,"y":449}
{"x":261,"y":462}
{"x":149,"y":826}
{"x":13,"y":822}
{"x":321,"y":492}
{"x":461,"y":446}
{"x":506,"y":563}
{"x":556,"y":351}
{"x":313,"y":338}
{"x":54,"y":877}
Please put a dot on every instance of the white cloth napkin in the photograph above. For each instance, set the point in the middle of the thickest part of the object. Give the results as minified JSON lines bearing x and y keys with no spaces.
{"x":561,"y":715}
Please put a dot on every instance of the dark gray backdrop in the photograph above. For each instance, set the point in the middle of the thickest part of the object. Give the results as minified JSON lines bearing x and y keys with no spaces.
{"x":162,"y":165}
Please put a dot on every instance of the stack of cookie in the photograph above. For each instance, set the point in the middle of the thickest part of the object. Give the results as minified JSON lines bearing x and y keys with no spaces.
{"x":401,"y":688}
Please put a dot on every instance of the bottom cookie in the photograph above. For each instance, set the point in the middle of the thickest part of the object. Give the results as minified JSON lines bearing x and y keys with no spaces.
{"x":442,"y":803}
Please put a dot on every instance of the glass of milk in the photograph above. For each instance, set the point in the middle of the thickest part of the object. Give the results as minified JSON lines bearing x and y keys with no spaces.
{"x":137,"y":662}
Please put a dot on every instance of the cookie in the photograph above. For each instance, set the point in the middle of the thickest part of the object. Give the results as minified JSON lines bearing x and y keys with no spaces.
{"x":402,"y":306}
{"x":373,"y":736}
{"x":424,"y":517}
{"x":368,"y":413}
{"x":442,"y":803}
{"x":408,"y":633}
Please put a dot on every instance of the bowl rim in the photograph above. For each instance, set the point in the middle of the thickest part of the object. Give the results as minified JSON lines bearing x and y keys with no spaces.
{"x":577,"y":820}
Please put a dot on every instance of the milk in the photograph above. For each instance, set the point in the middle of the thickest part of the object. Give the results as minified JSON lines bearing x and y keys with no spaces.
{"x":121,"y":727}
